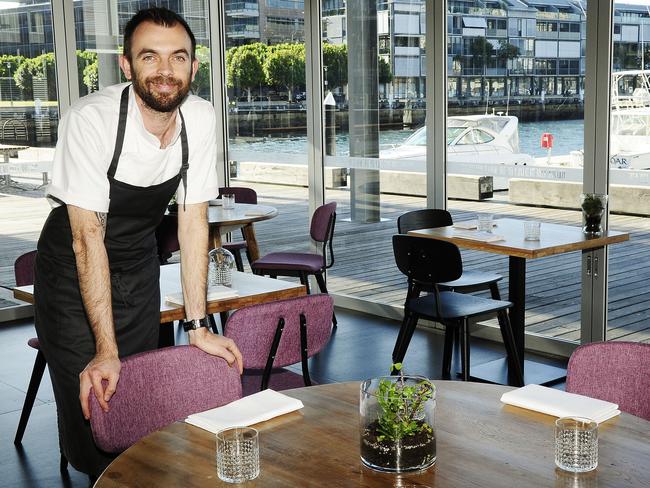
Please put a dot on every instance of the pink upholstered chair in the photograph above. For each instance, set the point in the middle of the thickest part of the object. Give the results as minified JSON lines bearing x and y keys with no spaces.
{"x":276,"y":334}
{"x":242,"y":195}
{"x":303,"y":264}
{"x":617,"y":372}
{"x":159,"y":387}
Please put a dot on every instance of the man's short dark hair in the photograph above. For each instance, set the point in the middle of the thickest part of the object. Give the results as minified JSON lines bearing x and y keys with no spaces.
{"x":159,"y":16}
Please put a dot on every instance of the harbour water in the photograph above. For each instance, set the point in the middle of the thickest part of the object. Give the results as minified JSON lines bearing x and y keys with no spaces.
{"x":568,"y":135}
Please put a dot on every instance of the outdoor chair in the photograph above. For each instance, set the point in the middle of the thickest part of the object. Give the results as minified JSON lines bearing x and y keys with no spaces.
{"x":242,"y":195}
{"x":469,"y":281}
{"x":24,"y":274}
{"x":617,"y":372}
{"x":429,"y":262}
{"x":300,"y":264}
{"x":158,"y":388}
{"x":276,"y":334}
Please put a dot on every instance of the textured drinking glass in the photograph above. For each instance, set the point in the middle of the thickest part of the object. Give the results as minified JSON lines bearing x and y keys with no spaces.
{"x":485,"y":222}
{"x":228,"y":201}
{"x":531,"y":230}
{"x":576,"y":444}
{"x":238,"y":454}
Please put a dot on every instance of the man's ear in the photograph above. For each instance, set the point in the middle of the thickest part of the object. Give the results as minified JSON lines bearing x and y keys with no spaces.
{"x":125,"y":65}
{"x":195,"y":68}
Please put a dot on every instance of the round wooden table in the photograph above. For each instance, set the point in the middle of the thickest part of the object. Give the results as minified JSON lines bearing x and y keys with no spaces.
{"x":480,"y":443}
{"x":222,"y":221}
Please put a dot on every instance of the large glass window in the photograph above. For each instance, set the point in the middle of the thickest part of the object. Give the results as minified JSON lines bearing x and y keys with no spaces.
{"x":374,"y":138}
{"x":267,"y":115}
{"x":629,"y":175}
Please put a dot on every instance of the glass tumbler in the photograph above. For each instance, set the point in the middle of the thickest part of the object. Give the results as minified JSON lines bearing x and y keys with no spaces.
{"x":238,"y":454}
{"x":576,"y":444}
{"x":531,"y":230}
{"x":228,"y":201}
{"x":484,"y":222}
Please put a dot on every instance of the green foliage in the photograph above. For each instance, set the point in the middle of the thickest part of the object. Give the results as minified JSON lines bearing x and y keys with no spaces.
{"x":9,"y":64}
{"x":481,"y":50}
{"x":507,"y":51}
{"x":592,"y":204}
{"x":285,"y":66}
{"x":385,"y":76}
{"x":244,"y":66}
{"x":40,"y":67}
{"x":87,"y":71}
{"x":201,"y":83}
{"x":335,"y":57}
{"x":402,"y":405}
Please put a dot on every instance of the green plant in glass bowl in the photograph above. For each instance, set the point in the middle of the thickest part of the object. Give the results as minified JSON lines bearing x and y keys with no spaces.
{"x":397,"y":422}
{"x":593,"y":207}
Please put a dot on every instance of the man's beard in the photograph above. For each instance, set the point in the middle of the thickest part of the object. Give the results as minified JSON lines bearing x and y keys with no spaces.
{"x":160,"y":102}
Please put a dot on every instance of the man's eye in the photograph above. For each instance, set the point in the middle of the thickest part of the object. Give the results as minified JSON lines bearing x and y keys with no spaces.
{"x":148,"y":57}
{"x":180,"y":59}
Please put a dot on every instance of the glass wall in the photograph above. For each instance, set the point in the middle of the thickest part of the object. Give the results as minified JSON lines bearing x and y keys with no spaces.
{"x":373,"y":71}
{"x":515,"y":138}
{"x":629,"y":182}
{"x":267,"y":115}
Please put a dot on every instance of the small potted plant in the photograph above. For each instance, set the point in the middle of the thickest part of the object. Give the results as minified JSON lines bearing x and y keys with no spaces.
{"x":593,"y":208}
{"x":397,"y":422}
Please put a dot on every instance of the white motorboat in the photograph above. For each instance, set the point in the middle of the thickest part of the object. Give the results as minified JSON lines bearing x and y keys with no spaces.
{"x":492,"y":139}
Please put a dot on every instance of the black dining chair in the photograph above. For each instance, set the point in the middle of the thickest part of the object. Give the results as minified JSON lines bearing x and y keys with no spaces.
{"x":242,"y":195}
{"x":24,"y":274}
{"x":470,"y":280}
{"x":429,"y":262}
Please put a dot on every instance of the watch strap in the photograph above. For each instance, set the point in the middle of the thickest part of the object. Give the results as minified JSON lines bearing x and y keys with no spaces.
{"x":195,"y":324}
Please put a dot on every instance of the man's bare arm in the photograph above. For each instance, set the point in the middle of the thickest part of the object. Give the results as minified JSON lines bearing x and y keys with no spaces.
{"x":88,"y":231}
{"x":193,"y":239}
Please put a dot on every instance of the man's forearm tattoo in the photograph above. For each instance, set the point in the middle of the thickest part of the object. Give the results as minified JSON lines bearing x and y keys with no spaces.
{"x":101,"y":217}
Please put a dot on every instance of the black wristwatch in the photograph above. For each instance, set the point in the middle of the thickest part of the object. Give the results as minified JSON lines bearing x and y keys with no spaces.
{"x":194,"y":324}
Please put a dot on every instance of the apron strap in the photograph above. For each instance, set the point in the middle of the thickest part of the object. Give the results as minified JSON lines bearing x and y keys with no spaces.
{"x":121,"y":129}
{"x":185,"y":157}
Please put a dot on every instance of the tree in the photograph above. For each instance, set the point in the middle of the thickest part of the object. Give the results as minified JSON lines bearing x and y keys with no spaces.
{"x":41,"y":67}
{"x":481,"y":50}
{"x":9,"y":64}
{"x":87,"y":72}
{"x":244,"y":67}
{"x":335,"y":58}
{"x":201,"y":83}
{"x":507,"y":51}
{"x":385,"y":75}
{"x":285,"y":66}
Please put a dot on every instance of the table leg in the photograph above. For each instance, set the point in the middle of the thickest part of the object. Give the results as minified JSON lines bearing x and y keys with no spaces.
{"x":251,"y":242}
{"x":6,"y":178}
{"x":534,"y":372}
{"x":215,"y":236}
{"x":166,"y":337}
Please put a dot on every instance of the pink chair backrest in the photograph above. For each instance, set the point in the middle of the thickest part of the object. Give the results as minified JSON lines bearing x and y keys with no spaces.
{"x":24,"y":269}
{"x":253,"y":329}
{"x":319,"y":229}
{"x":617,"y":372}
{"x":242,"y":194}
{"x":159,"y":387}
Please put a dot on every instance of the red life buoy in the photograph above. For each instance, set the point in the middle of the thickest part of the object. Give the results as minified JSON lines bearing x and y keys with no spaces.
{"x":547,"y":140}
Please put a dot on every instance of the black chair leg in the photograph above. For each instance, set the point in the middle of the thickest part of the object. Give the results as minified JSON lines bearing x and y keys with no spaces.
{"x":515,"y":373}
{"x":464,"y":352}
{"x":63,"y":463}
{"x":32,"y":390}
{"x":304,"y":279}
{"x":223,"y":316}
{"x":238,"y":260}
{"x":213,"y":323}
{"x":448,"y":351}
{"x":411,"y":323}
{"x":494,"y":291}
{"x":323,"y":288}
{"x":400,"y":336}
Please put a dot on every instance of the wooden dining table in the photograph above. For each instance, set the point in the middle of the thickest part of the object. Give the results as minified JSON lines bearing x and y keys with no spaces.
{"x":243,"y":216}
{"x":480,"y":443}
{"x":251,"y":290}
{"x":554,"y":239}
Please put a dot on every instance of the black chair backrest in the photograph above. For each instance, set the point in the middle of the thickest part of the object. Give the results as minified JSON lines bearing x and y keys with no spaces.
{"x":427,"y":260}
{"x":24,"y":268}
{"x":427,"y":218}
{"x":242,"y":194}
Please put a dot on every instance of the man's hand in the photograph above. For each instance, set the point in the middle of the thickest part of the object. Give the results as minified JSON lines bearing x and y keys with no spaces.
{"x":217,"y":346}
{"x":100,"y":368}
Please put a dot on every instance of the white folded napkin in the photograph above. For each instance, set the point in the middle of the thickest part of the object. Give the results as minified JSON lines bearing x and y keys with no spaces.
{"x":249,"y":410}
{"x":469,"y":224}
{"x":560,"y":403}
{"x":215,"y":292}
{"x":478,"y":236}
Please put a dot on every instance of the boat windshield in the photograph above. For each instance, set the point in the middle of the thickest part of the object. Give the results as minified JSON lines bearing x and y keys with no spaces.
{"x":419,"y":137}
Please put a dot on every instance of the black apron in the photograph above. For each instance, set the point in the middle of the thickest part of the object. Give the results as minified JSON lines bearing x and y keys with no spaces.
{"x":63,"y":329}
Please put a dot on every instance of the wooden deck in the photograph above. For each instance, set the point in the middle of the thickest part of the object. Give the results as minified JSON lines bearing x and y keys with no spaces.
{"x":364,"y":265}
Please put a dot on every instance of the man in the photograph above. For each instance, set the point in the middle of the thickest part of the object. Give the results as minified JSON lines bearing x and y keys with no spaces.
{"x":122,"y":153}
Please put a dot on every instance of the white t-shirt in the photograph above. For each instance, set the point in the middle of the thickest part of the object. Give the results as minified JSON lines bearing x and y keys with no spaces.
{"x":87,"y":140}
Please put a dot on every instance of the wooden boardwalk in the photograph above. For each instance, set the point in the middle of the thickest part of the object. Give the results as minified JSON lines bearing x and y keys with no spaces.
{"x":364,"y":265}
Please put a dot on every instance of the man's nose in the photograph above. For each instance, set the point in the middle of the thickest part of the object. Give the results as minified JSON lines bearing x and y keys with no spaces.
{"x":165,"y":67}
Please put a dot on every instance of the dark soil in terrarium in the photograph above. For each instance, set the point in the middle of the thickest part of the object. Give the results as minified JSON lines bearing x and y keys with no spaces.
{"x":406,"y":454}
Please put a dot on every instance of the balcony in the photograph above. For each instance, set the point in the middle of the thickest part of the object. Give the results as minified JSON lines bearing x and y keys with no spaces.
{"x":243,"y":31}
{"x":242,"y":9}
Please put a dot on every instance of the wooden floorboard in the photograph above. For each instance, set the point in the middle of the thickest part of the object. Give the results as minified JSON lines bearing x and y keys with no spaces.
{"x":364,"y":265}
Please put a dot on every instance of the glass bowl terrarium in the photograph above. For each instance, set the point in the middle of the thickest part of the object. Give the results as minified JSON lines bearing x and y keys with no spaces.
{"x":221,"y":262}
